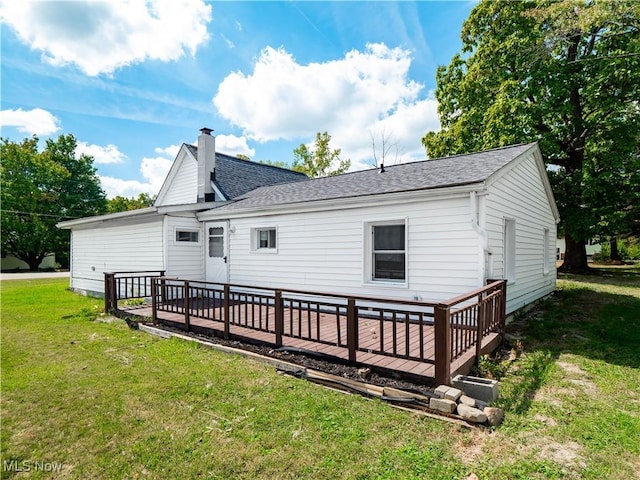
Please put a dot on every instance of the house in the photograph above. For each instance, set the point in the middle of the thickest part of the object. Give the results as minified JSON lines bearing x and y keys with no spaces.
{"x":424,"y":230}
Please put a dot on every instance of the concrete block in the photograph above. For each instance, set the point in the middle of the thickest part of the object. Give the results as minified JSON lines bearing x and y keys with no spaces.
{"x":480,"y":388}
{"x":441,"y":390}
{"x":453,"y":394}
{"x":442,"y":405}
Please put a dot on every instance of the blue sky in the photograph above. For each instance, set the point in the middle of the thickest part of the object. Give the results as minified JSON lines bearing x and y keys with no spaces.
{"x":133,"y":80}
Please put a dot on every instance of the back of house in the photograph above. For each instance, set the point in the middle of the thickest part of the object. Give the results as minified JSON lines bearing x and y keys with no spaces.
{"x":425,"y":230}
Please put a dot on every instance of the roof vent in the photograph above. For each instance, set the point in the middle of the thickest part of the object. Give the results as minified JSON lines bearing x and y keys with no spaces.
{"x":382,"y":170}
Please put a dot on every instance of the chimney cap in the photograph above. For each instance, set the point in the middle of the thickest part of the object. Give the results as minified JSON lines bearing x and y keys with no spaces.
{"x":206,"y":131}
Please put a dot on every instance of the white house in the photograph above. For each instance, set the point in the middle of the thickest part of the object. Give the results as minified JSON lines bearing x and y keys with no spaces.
{"x":424,"y":230}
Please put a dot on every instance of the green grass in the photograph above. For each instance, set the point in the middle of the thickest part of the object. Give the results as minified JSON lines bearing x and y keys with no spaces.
{"x":109,"y":402}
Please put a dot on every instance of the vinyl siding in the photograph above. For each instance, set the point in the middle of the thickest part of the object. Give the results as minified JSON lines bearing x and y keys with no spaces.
{"x":325,"y":250}
{"x":183,"y":188}
{"x":520,"y":195}
{"x":184,"y":259}
{"x":123,"y":247}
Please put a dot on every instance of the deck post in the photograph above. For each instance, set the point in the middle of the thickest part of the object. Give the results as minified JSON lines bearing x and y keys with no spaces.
{"x":226,"y":309}
{"x":185,"y":302}
{"x":503,"y":310}
{"x":352,"y":328}
{"x":480,"y":322}
{"x":442,"y":318}
{"x":154,"y":301}
{"x":107,"y":292}
{"x":279,"y":317}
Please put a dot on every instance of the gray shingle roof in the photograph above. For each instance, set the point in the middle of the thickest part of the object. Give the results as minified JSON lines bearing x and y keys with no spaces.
{"x":235,"y":176}
{"x":423,"y":175}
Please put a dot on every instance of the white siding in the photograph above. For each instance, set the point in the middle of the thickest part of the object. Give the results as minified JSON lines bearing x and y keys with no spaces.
{"x":520,"y":195}
{"x":183,"y":188}
{"x":324,"y":251}
{"x":184,"y":259}
{"x":123,"y":247}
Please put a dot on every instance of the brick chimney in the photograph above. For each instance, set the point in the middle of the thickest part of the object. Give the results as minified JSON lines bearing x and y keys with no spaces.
{"x":206,"y":164}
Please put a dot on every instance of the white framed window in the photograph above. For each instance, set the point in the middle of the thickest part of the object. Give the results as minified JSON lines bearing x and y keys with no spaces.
{"x":545,"y":250}
{"x":187,"y":236}
{"x":264,"y":239}
{"x":386,"y":252}
{"x":509,"y":249}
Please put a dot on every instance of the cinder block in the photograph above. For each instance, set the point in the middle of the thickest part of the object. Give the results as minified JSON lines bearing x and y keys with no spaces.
{"x":479,"y":388}
{"x":442,"y":405}
{"x":453,"y":394}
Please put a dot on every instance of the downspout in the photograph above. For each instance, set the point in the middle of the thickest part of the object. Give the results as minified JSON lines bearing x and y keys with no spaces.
{"x":486,"y":260}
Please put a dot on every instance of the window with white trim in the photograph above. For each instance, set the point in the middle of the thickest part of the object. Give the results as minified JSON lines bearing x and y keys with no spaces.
{"x":545,"y":250}
{"x":388,"y":260}
{"x":191,"y":236}
{"x":264,"y":239}
{"x":509,"y":249}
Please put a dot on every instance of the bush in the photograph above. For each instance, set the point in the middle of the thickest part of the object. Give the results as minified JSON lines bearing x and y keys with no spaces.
{"x":628,"y":248}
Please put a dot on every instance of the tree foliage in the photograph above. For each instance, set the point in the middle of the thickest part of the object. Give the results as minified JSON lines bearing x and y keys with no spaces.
{"x":40,"y":189}
{"x":124,"y":204}
{"x":320,"y":161}
{"x":564,"y":73}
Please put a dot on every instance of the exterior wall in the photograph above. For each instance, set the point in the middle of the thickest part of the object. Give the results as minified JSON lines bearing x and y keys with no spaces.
{"x":12,"y":263}
{"x":520,"y":195}
{"x":184,"y":259}
{"x":125,"y":246}
{"x":183,"y":188}
{"x":325,"y":251}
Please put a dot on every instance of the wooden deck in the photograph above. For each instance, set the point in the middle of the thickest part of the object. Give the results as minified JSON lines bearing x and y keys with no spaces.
{"x":330,"y":339}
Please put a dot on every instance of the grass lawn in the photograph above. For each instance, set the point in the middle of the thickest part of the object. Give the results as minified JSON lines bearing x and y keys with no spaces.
{"x":98,"y":400}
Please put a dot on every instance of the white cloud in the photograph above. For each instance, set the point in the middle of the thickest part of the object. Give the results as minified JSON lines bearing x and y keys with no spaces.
{"x":171,"y":151}
{"x":232,"y":145}
{"x":368,"y":91}
{"x":31,"y":122}
{"x":99,"y":37}
{"x":153,"y":170}
{"x":101,"y":155}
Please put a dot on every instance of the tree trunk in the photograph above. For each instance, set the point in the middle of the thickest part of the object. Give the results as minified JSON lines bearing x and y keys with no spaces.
{"x":615,"y":254}
{"x":33,"y":260}
{"x":575,"y":256}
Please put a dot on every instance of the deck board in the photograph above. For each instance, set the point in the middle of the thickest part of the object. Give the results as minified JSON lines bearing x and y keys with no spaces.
{"x":372,"y":333}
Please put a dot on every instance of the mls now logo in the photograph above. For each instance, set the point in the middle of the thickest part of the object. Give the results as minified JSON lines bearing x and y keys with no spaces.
{"x":29,"y":465}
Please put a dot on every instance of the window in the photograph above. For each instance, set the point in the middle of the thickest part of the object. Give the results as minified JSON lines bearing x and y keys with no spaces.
{"x":509,"y":247}
{"x":264,"y":239}
{"x":545,"y":250}
{"x":216,"y":242}
{"x":187,"y":236}
{"x":388,"y":252}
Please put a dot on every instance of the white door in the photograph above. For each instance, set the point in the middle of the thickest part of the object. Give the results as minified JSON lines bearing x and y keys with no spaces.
{"x":216,"y":252}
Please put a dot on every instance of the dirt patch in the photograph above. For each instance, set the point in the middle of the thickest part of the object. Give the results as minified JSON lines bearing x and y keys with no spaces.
{"x":472,"y":446}
{"x":586,"y":385}
{"x":566,"y":454}
{"x":317,"y":362}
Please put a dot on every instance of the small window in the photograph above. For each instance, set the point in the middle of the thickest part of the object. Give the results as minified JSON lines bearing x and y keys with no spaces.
{"x":545,"y":249}
{"x":509,"y":249}
{"x":388,"y":252}
{"x":266,"y":238}
{"x":216,"y":242}
{"x":186,"y":236}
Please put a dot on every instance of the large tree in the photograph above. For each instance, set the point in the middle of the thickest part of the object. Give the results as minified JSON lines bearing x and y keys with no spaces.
{"x":124,"y":204}
{"x":564,"y":73}
{"x":320,"y":161}
{"x":40,"y":188}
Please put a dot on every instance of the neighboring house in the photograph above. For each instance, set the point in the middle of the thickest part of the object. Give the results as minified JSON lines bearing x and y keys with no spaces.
{"x":424,"y":230}
{"x":11,"y":263}
{"x":592,"y":246}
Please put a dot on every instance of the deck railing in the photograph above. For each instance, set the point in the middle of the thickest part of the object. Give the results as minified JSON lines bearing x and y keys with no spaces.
{"x":429,"y":332}
{"x":127,"y":285}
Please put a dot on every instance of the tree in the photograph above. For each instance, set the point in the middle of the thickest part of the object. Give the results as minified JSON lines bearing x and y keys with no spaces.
{"x":320,"y":161}
{"x":40,"y":189}
{"x":566,"y":74}
{"x":124,"y":204}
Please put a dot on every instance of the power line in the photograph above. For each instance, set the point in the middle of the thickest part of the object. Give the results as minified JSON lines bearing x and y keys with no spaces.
{"x":38,"y":214}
